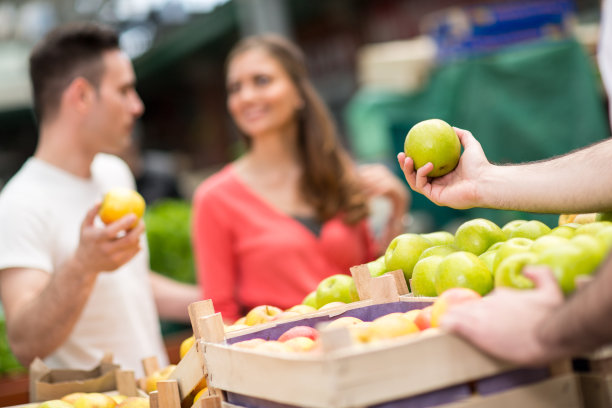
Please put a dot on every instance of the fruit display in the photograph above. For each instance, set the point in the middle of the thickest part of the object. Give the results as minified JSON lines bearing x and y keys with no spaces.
{"x":324,"y":360}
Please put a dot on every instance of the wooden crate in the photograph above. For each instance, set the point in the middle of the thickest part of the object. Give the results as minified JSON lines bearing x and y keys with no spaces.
{"x":427,"y":369}
{"x":595,"y":373}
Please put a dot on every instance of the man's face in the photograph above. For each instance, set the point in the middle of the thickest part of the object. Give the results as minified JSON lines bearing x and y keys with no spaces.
{"x":117,"y":105}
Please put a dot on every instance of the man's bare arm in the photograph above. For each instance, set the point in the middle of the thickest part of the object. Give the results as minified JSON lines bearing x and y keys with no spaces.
{"x":42,"y":308}
{"x":574,"y":183}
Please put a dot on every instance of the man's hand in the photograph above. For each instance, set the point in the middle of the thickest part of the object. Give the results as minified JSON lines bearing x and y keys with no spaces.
{"x":108,"y":248}
{"x":505,"y":323}
{"x":457,"y":189}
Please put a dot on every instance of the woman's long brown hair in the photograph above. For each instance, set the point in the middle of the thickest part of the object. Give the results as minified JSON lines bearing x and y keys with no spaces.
{"x":329,"y":180}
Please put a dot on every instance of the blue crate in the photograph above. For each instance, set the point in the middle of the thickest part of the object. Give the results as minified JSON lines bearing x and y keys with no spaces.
{"x":475,"y":30}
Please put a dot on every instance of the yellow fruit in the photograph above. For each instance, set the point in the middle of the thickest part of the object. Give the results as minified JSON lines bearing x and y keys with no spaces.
{"x":585,"y":218}
{"x":55,"y":404}
{"x":185,"y":346}
{"x":119,"y":398}
{"x":119,"y":202}
{"x":159,"y":375}
{"x":72,"y":397}
{"x":566,"y":218}
{"x":95,"y":400}
{"x":134,"y":402}
{"x":199,"y":394}
{"x":391,"y":326}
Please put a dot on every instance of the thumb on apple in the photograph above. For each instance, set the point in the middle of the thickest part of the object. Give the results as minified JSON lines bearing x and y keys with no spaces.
{"x":544,"y":279}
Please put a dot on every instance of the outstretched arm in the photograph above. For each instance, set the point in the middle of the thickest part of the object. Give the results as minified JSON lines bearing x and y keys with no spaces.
{"x":574,"y":183}
{"x":41,"y":308}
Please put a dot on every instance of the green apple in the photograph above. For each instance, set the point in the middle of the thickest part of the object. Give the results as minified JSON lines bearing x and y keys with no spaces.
{"x":495,"y":246}
{"x":547,"y":241}
{"x":531,"y":229}
{"x":564,"y":231}
{"x":510,"y":247}
{"x":311,"y":299}
{"x":440,"y":237}
{"x":508,"y":273}
{"x":592,"y":228}
{"x":567,"y":262}
{"x":423,"y":282}
{"x":433,"y":141}
{"x":511,"y":226}
{"x":404,"y":251}
{"x":488,"y":257}
{"x":605,"y":237}
{"x":594,"y":249}
{"x":442,"y":250}
{"x":463,"y":270}
{"x":477,"y":235}
{"x":336,"y":288}
{"x":377,"y":267}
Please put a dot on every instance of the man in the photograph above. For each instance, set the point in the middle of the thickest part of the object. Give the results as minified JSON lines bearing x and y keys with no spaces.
{"x":72,"y":288}
{"x":536,"y":326}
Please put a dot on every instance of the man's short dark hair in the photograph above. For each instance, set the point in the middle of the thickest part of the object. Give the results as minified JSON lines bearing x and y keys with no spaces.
{"x":68,"y":52}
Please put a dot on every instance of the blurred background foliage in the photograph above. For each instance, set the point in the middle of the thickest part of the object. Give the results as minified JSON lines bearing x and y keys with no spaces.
{"x":169,"y":237}
{"x":8,"y":363}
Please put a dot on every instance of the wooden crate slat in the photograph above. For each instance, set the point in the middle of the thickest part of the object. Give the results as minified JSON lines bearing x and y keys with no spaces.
{"x":354,"y":376}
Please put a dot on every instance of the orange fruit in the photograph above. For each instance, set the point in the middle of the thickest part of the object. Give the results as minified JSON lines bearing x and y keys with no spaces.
{"x":119,"y":202}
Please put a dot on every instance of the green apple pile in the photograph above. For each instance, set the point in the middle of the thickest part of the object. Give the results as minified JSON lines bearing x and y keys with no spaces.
{"x":481,"y":255}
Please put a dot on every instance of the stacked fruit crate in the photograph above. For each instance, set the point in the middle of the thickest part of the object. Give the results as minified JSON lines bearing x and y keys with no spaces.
{"x":427,"y":369}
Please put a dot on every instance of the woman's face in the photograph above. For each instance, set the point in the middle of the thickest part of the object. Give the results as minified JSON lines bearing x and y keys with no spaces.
{"x":261,"y":96}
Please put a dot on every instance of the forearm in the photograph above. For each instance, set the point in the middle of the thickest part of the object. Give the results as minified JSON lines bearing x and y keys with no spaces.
{"x":43,"y":322}
{"x":582,"y":324}
{"x":173,"y":298}
{"x":578,"y":182}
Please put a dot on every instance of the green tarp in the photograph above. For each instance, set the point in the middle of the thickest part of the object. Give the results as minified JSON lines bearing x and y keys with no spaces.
{"x":523,"y":103}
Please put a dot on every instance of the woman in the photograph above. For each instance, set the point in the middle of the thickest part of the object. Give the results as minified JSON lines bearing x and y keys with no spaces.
{"x":291,"y":211}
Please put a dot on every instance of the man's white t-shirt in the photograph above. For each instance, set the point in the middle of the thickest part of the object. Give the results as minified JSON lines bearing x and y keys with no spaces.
{"x":41,"y":211}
